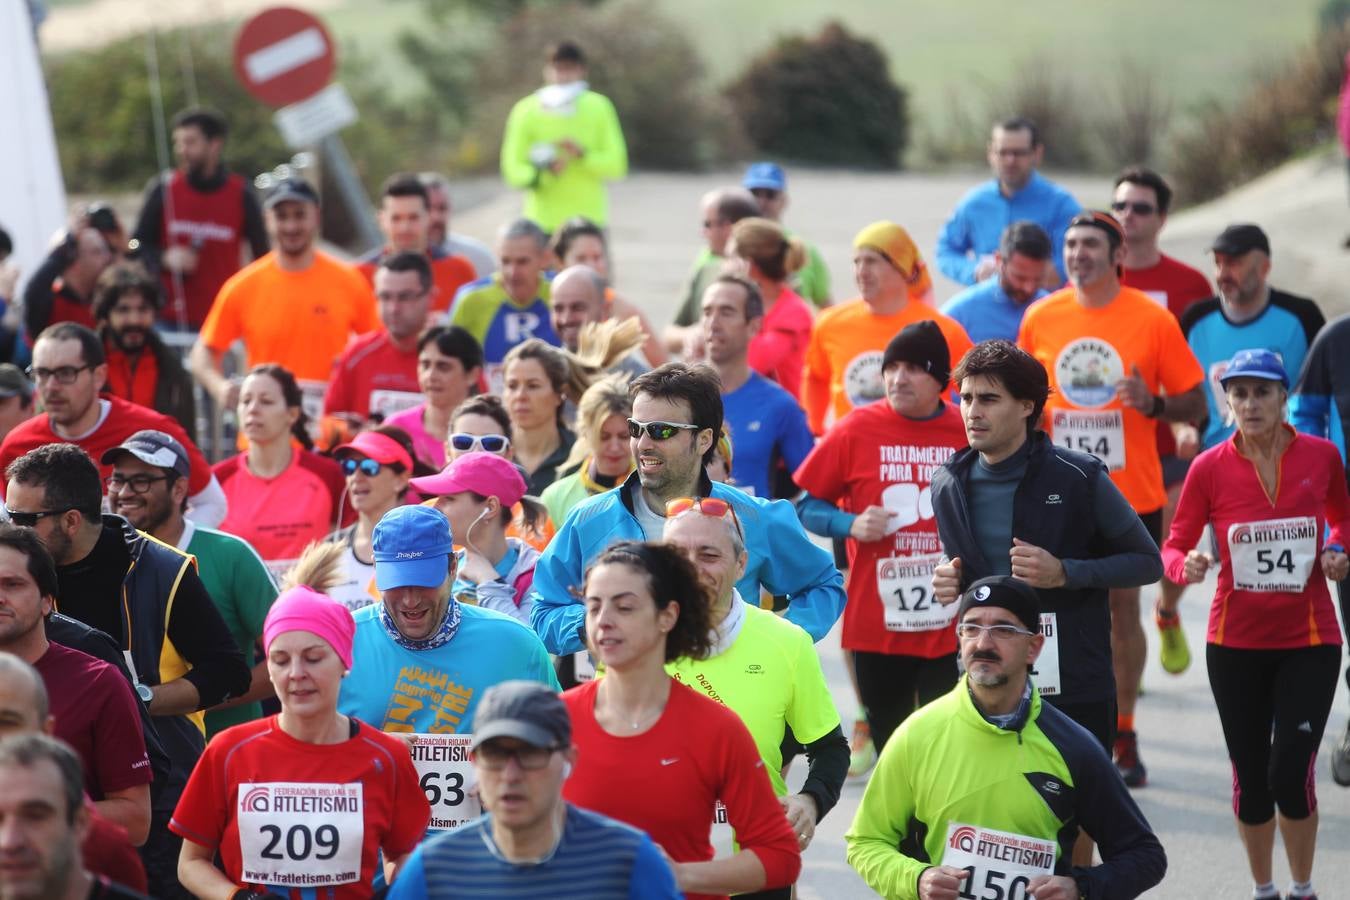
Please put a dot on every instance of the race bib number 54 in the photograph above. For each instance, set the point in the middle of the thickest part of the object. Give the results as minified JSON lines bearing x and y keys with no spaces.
{"x":1276,"y":555}
{"x":298,"y":834}
{"x":1000,"y":864}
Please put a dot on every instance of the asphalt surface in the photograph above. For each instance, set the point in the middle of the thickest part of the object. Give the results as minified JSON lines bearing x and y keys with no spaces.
{"x":655,"y":235}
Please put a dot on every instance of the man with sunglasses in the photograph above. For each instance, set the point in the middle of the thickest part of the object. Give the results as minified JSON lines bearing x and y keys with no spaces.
{"x":767,"y":182}
{"x":677,"y":419}
{"x":148,"y":487}
{"x":69,"y":368}
{"x":149,"y":598}
{"x":985,"y":789}
{"x":531,"y":842}
{"x":968,"y":240}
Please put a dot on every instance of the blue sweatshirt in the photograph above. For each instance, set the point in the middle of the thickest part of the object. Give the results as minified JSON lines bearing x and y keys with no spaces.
{"x":980,"y":217}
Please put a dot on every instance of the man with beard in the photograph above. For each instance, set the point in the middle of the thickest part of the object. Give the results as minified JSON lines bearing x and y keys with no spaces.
{"x":990,"y":786}
{"x":196,"y":219}
{"x":677,"y":420}
{"x":994,"y":307}
{"x":140,"y":367}
{"x":147,"y":487}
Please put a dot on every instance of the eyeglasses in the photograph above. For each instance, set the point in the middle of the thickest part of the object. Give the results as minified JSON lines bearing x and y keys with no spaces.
{"x":531,"y":759}
{"x":658,"y":431}
{"x":138,"y":484}
{"x":400,"y":297}
{"x":367,"y":466}
{"x":492,"y":443}
{"x":62,"y":374}
{"x":712,"y":507}
{"x":1139,"y":209}
{"x":765,"y":193}
{"x":969,"y":631}
{"x":30,"y":519}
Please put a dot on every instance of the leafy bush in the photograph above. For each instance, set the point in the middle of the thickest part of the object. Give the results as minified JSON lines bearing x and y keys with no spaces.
{"x":827,"y":99}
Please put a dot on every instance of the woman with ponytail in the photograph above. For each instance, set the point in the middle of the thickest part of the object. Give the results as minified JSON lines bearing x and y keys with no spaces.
{"x":768,"y":257}
{"x":282,"y":494}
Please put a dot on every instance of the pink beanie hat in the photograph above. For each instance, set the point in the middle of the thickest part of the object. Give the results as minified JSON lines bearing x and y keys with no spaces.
{"x":305,"y":609}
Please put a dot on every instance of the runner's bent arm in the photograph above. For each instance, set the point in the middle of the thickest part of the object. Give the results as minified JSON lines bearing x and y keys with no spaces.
{"x":652,"y":878}
{"x":953,"y":249}
{"x":828,"y":758}
{"x":823,"y":517}
{"x":885,"y":811}
{"x":38,"y":294}
{"x":796,"y":567}
{"x":255,"y":230}
{"x":201,"y":638}
{"x":1134,"y":560}
{"x":198,"y":873}
{"x":1132,"y":858}
{"x":556,"y":615}
{"x":1189,"y":520}
{"x":208,"y":506}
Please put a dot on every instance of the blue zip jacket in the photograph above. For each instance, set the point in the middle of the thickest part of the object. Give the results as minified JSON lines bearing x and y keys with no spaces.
{"x":978,"y":221}
{"x":1320,"y":404}
{"x":782,"y":560}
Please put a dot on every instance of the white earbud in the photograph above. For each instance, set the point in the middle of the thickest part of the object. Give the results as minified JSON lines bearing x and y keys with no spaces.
{"x":567,"y":770}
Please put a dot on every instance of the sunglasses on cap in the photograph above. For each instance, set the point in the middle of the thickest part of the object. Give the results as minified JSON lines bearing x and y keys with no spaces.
{"x":492,"y":443}
{"x":365,"y":466}
{"x":658,"y":431}
{"x":712,"y":507}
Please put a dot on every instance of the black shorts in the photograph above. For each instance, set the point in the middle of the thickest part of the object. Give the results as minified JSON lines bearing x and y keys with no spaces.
{"x":1153,"y":522}
{"x":1098,"y":718}
{"x":1174,"y":470}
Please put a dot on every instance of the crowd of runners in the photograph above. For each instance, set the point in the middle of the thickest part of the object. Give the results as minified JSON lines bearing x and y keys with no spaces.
{"x":496,"y":588}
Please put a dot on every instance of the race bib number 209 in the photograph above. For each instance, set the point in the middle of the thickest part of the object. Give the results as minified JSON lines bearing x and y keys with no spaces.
{"x":301,"y":834}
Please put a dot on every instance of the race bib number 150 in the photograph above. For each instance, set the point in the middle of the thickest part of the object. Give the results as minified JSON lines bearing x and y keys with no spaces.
{"x":1000,"y":864}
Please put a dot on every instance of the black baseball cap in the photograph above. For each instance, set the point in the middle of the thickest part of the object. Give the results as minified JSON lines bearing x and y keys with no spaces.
{"x":154,"y":448}
{"x":1004,"y":592}
{"x":13,"y":382}
{"x":525,"y":710}
{"x":1235,"y":240}
{"x":292,"y":188}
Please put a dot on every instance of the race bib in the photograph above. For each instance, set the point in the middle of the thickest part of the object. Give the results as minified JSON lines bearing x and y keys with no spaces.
{"x":905,"y":586}
{"x":301,"y":834}
{"x":583,"y":667}
{"x":311,"y":402}
{"x":1276,"y":555}
{"x":386,"y":403}
{"x":446,"y":775}
{"x":1001,"y":864}
{"x":1046,"y":674}
{"x":1100,"y":433}
{"x":722,"y":836}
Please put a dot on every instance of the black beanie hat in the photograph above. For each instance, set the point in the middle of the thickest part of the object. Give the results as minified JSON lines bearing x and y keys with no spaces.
{"x":1005,"y":592}
{"x":923,"y":344}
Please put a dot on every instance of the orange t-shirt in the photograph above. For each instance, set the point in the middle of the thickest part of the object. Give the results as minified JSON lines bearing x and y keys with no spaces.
{"x":448,"y":274}
{"x":843,"y":358}
{"x":1086,"y":353}
{"x":301,"y":320}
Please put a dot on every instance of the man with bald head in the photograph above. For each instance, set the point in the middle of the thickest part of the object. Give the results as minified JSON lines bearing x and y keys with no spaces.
{"x":580,"y":297}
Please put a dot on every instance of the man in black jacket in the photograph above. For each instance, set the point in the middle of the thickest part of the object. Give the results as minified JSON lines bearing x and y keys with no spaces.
{"x":148,"y":596}
{"x":1017,"y":504}
{"x":141,"y":368}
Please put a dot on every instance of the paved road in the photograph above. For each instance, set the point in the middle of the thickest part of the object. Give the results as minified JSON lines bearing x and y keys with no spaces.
{"x":655,"y":235}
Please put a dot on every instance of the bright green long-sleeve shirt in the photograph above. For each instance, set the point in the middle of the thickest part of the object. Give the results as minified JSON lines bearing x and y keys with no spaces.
{"x":579,"y":190}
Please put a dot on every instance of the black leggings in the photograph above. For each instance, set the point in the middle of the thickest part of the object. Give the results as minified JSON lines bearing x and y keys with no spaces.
{"x":892,"y":686}
{"x":1274,"y":706}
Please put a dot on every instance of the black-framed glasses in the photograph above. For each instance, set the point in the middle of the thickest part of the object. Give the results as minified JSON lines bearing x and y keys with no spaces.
{"x":969,"y":631}
{"x":495,"y":757}
{"x":137,"y":484}
{"x":62,"y":374}
{"x":1139,"y":209}
{"x":659,"y":431}
{"x":30,"y":519}
{"x":366,"y":466}
{"x":492,"y":443}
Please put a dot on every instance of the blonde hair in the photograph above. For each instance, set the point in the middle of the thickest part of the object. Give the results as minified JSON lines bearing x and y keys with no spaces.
{"x":765,"y":243}
{"x":601,"y":345}
{"x":607,"y":397}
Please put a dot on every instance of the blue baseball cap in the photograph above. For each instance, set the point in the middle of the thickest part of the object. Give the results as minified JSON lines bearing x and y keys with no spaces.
{"x":412,"y":547}
{"x":765,"y":175}
{"x":1261,"y":364}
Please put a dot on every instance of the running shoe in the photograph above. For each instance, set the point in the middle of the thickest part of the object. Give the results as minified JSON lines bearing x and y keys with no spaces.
{"x":1340,"y":760}
{"x":862,"y":754}
{"x":1128,"y":764}
{"x":1175,"y":654}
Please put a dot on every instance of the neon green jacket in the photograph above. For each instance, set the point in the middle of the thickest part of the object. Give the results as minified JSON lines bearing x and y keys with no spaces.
{"x":1044,"y":777}
{"x":579,"y":189}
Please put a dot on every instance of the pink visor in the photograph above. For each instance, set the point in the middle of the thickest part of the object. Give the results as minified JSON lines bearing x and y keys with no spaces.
{"x":379,"y":447}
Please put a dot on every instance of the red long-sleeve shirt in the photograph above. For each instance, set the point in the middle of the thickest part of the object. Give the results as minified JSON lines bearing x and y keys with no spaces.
{"x":666,"y":781}
{"x":1273,"y":538}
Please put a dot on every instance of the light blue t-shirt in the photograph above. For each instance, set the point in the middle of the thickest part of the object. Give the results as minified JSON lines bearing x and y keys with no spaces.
{"x":766,"y":423}
{"x":986,"y":311}
{"x":437,"y":691}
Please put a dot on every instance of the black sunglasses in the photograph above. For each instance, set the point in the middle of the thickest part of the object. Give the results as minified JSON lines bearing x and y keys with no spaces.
{"x":30,"y":519}
{"x":658,"y":431}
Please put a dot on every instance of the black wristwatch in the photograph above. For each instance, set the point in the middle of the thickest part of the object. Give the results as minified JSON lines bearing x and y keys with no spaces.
{"x":1159,"y":404}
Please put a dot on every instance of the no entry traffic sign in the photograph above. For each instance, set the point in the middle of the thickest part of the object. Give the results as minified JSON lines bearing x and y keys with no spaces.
{"x":283,"y":55}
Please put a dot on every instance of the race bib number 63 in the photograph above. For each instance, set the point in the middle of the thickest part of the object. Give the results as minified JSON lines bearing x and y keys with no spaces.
{"x":446,"y":775}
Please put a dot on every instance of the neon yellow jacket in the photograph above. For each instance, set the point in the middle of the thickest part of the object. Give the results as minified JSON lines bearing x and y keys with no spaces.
{"x":579,"y":189}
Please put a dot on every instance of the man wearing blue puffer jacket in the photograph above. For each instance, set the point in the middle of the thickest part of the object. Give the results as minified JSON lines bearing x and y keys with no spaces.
{"x":677,"y":418}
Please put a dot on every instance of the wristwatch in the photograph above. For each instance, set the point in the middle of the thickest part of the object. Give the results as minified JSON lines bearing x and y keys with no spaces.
{"x":1159,"y":404}
{"x":144,"y":692}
